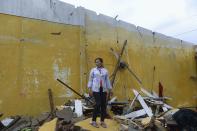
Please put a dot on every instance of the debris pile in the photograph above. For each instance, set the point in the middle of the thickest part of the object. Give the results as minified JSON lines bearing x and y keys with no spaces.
{"x":16,"y":123}
{"x":59,"y":118}
{"x":63,"y":119}
{"x":147,"y":111}
{"x":153,"y":113}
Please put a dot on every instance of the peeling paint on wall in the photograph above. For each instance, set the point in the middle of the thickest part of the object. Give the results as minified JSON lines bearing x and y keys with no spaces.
{"x":5,"y":38}
{"x":35,"y":75}
{"x":32,"y":59}
{"x":62,"y":74}
{"x":31,"y":82}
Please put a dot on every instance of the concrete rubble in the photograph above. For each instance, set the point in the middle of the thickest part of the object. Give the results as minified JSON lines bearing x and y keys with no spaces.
{"x":147,"y":111}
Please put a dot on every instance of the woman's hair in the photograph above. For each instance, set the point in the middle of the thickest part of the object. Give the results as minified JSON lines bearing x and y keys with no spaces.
{"x":100,"y":59}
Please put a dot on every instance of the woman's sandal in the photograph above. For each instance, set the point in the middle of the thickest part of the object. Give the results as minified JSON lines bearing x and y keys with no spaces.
{"x":94,"y":124}
{"x":103,"y":124}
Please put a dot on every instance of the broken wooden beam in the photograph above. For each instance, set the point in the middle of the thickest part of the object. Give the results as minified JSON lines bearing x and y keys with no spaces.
{"x":125,"y":121}
{"x":51,"y":102}
{"x":118,"y":64}
{"x":112,"y":100}
{"x":165,"y":107}
{"x":147,"y":93}
{"x":154,"y":95}
{"x":142,"y":102}
{"x":133,"y":101}
{"x":75,"y":91}
{"x":135,"y":114}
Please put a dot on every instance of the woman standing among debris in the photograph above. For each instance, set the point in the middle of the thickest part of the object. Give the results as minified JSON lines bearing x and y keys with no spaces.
{"x":99,"y":85}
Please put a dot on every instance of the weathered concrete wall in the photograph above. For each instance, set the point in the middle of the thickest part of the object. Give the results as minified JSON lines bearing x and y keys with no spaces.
{"x":33,"y":55}
{"x":50,"y":10}
{"x":60,"y":41}
{"x":173,"y":59}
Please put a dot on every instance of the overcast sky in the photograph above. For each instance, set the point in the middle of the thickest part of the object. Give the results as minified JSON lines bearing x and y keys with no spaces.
{"x":176,"y":18}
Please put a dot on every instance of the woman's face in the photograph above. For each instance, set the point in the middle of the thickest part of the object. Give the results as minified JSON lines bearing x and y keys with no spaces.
{"x":98,"y":63}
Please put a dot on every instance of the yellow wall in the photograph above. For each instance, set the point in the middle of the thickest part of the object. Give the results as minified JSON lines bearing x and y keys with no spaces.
{"x":32,"y":57}
{"x":174,"y":61}
{"x":31,"y":60}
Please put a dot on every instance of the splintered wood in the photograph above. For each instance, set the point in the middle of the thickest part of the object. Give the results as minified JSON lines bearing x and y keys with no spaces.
{"x":149,"y":116}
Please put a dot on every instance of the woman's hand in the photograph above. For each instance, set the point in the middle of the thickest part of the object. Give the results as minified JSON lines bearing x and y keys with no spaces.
{"x":90,"y":92}
{"x":111,"y":93}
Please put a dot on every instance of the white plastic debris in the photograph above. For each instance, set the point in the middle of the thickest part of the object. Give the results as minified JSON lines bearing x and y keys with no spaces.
{"x":6,"y":121}
{"x":78,"y":108}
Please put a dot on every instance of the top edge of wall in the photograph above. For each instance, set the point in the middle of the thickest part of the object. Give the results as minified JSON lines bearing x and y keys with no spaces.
{"x":64,"y":13}
{"x":128,"y":26}
{"x":195,"y":46}
{"x":49,"y":10}
{"x":144,"y":31}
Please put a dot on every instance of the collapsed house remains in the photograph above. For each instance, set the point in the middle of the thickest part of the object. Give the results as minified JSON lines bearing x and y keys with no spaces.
{"x":47,"y":45}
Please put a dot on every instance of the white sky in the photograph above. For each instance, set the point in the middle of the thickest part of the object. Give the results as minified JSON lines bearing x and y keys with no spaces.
{"x":176,"y":18}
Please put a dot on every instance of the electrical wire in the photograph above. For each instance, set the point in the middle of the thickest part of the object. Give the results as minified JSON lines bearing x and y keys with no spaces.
{"x":186,"y":32}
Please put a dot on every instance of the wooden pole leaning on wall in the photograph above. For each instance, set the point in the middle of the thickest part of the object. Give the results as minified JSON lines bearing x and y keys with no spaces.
{"x":51,"y":102}
{"x":122,"y":64}
{"x":118,"y":64}
{"x":82,"y":96}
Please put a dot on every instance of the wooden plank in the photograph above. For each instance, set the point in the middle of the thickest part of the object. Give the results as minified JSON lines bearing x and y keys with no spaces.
{"x":164,"y":109}
{"x":154,"y":102}
{"x":124,"y":127}
{"x":112,"y":100}
{"x":150,"y":95}
{"x":167,"y":106}
{"x":118,"y":64}
{"x":136,"y":114}
{"x":51,"y":103}
{"x":162,"y":103}
{"x":142,"y":102}
{"x":87,"y":108}
{"x":132,"y":103}
{"x":147,"y":93}
{"x":157,"y":98}
{"x":155,"y":94}
{"x":123,"y":120}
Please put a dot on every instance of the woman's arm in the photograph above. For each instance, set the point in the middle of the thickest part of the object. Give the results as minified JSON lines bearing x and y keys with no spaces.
{"x":90,"y":81}
{"x":109,"y":87}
